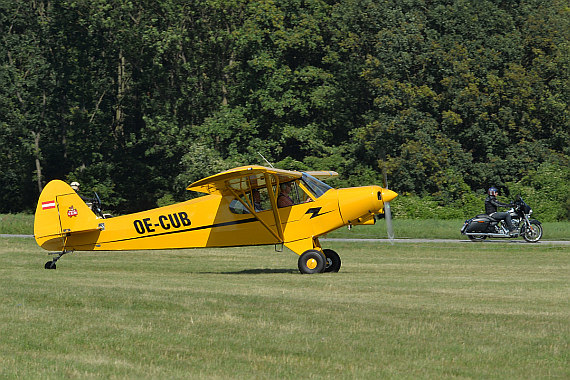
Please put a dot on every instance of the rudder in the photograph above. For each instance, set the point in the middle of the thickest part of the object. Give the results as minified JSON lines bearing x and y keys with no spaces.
{"x":60,"y":212}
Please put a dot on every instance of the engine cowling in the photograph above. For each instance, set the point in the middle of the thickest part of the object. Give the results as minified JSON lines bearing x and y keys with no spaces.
{"x":358,"y":204}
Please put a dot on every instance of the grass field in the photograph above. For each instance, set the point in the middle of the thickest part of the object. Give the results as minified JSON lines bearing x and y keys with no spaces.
{"x":17,"y":224}
{"x":452,"y":310}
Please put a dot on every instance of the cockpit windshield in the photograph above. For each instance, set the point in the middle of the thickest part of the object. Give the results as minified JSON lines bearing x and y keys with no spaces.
{"x":316,"y":186}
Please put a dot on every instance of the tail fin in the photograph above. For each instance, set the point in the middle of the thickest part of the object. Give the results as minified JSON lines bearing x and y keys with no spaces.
{"x":61,"y":212}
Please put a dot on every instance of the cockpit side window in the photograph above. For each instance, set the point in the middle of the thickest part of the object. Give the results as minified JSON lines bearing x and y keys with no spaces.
{"x":257,"y":198}
{"x":292,"y":193}
{"x":301,"y":195}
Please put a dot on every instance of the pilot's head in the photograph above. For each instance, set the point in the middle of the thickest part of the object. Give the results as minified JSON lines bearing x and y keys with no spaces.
{"x":75,"y":186}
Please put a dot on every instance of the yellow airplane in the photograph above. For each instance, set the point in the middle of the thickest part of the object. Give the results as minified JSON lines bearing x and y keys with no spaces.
{"x":249,"y":205}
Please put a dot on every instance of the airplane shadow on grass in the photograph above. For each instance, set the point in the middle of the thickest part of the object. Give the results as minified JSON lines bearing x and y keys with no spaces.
{"x":257,"y":271}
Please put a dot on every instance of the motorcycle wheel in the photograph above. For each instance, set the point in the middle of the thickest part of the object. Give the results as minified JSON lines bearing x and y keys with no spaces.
{"x":533,"y":232}
{"x":477,"y":238}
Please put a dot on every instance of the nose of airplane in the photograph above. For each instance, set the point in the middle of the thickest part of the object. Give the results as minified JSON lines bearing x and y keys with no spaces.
{"x":357,"y":202}
{"x":388,"y":195}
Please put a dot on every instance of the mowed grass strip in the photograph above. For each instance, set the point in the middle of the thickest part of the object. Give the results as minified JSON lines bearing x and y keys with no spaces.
{"x":460,"y":310}
{"x":403,"y":228}
{"x":436,"y":229}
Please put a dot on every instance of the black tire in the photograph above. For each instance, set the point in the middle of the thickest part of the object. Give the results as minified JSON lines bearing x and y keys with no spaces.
{"x":49,"y":265}
{"x":312,"y":261}
{"x":476,"y":238}
{"x":332,"y":261}
{"x":533,"y":233}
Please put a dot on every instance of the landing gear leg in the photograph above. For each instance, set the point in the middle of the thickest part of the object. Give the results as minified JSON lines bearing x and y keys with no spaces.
{"x":51,"y":264}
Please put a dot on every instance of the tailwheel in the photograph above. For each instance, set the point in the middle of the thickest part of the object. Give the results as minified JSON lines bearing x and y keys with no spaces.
{"x":312,"y":261}
{"x":51,"y":264}
{"x":333,"y":262}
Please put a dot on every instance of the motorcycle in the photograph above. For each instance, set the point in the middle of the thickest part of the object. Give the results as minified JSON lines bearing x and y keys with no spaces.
{"x":483,"y":226}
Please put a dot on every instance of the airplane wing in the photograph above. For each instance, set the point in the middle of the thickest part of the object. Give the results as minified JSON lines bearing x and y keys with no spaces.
{"x":240,"y":179}
{"x":323,"y":175}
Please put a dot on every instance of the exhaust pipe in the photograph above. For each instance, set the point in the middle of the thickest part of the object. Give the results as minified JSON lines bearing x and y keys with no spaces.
{"x":486,"y":234}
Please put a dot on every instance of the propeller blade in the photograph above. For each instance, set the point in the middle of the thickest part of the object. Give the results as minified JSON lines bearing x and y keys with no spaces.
{"x":387,"y":196}
{"x":388,"y":217}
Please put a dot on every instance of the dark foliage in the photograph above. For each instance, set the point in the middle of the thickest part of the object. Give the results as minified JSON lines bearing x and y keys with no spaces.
{"x":136,"y":99}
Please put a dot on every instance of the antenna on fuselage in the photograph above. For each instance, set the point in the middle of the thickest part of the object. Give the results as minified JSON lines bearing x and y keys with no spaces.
{"x":265,"y":159}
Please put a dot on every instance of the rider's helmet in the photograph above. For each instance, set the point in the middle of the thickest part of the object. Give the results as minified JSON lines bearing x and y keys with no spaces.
{"x":75,"y":185}
{"x":493,"y":191}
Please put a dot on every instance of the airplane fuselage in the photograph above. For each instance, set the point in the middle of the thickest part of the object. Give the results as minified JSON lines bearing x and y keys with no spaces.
{"x":244,"y":206}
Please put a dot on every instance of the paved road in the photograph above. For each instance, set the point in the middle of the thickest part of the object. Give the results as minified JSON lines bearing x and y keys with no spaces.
{"x":488,"y":241}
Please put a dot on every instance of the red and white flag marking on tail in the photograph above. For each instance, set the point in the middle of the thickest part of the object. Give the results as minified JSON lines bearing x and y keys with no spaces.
{"x":47,"y":205}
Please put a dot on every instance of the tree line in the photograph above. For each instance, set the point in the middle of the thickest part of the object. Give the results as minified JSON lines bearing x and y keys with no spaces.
{"x":136,"y":99}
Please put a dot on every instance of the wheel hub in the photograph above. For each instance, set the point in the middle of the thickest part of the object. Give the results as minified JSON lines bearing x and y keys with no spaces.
{"x":312,"y":263}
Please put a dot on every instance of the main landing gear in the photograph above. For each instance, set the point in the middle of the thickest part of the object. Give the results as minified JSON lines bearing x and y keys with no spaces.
{"x":314,"y":261}
{"x":51,"y":264}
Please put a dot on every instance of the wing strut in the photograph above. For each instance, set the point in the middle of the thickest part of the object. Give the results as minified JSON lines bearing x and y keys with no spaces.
{"x":273,"y":198}
{"x":249,"y":208}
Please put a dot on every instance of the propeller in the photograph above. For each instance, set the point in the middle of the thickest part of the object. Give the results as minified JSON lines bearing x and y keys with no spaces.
{"x":387,"y":196}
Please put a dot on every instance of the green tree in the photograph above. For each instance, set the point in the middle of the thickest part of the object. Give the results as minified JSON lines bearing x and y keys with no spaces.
{"x":135,"y":99}
{"x":26,"y":93}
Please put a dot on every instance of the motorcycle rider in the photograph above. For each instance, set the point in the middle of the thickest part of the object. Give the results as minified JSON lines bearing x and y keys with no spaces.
{"x":491,"y":205}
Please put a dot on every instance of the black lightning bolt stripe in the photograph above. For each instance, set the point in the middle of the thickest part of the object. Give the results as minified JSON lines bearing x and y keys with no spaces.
{"x":315,"y":211}
{"x":249,"y":220}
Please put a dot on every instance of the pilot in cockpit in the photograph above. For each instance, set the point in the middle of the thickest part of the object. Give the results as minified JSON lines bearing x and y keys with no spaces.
{"x":256,"y":200}
{"x":284,"y":200}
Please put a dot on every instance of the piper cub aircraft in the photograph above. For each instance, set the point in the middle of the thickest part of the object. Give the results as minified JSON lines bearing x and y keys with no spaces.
{"x":250,"y":205}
